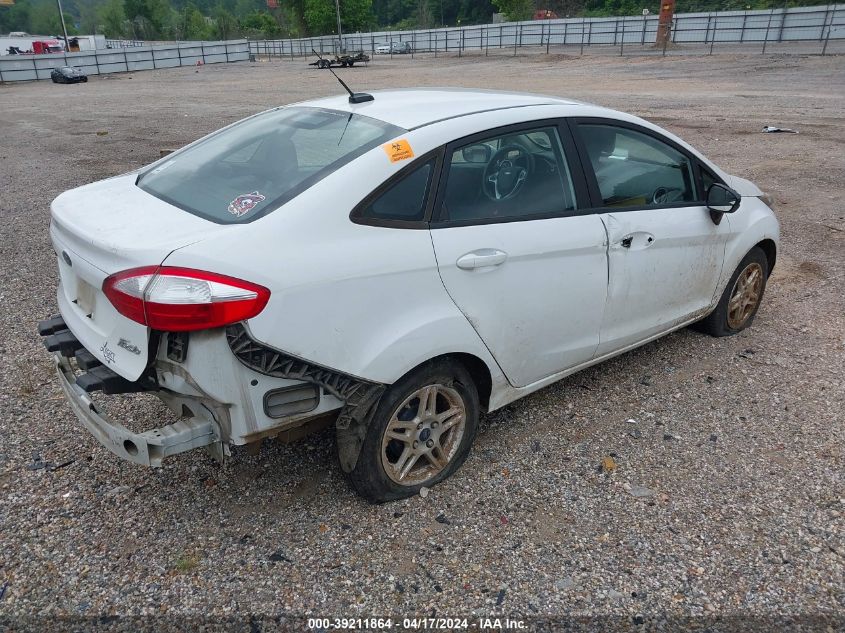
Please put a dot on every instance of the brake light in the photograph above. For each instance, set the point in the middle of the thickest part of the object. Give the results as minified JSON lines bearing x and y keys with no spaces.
{"x":182,"y":299}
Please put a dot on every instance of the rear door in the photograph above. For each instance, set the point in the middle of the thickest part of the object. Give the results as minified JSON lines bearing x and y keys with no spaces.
{"x":517,"y":255}
{"x":665,"y":251}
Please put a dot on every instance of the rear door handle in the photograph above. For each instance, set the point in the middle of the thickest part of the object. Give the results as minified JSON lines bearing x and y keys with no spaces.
{"x":626,"y":241}
{"x":482,"y":258}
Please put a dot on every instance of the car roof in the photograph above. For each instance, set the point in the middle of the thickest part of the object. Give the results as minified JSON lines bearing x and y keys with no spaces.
{"x":414,"y":107}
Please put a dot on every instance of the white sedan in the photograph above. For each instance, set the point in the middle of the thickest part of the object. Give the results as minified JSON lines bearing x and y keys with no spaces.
{"x":394,"y":266}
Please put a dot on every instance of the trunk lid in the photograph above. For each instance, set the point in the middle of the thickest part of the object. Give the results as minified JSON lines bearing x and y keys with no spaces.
{"x":101,"y":229}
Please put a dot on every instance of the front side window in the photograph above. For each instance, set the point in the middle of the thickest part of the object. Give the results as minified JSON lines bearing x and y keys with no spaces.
{"x":253,"y":167}
{"x":634,"y":169}
{"x":707,"y":181}
{"x":514,"y":175}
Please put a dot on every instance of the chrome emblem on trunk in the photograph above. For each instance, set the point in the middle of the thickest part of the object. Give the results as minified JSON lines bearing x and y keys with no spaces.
{"x":129,"y":347}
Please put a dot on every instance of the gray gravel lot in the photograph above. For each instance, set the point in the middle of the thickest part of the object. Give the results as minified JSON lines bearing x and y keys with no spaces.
{"x":728,"y":496}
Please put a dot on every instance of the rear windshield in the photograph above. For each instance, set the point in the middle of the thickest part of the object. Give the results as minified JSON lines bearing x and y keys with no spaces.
{"x":254,"y":167}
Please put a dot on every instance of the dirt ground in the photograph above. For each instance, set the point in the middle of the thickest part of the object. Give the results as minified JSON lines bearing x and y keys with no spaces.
{"x":741,"y":439}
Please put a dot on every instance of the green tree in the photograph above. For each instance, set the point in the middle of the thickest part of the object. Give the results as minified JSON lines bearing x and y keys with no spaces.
{"x":149,"y":17}
{"x":44,"y":20}
{"x":321,"y":17}
{"x":259,"y":25}
{"x":193,"y":25}
{"x":15,"y":18}
{"x":87,"y":12}
{"x":225,"y":24}
{"x":112,"y":18}
{"x":515,"y":10}
{"x":244,"y":8}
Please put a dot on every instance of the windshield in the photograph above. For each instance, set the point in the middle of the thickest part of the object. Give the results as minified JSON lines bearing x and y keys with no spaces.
{"x":252,"y":168}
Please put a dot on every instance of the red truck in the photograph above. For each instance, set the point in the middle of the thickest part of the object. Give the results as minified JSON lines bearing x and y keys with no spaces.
{"x":42,"y":47}
{"x":28,"y":46}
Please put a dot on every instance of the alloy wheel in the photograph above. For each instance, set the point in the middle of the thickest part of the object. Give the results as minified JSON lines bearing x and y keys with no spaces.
{"x":745,"y":295}
{"x":423,"y":435}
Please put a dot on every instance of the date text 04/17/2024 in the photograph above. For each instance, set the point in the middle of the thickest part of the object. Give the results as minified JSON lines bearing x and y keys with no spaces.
{"x":416,"y":624}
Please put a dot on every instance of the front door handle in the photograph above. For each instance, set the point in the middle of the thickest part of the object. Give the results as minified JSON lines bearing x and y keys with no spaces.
{"x":482,"y":258}
{"x":626,"y":241}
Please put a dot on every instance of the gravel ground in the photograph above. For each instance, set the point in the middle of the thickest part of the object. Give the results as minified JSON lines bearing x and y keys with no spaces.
{"x":728,"y":495}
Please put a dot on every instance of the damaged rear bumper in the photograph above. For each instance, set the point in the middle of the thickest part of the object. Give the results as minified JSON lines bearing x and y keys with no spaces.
{"x":148,"y":448}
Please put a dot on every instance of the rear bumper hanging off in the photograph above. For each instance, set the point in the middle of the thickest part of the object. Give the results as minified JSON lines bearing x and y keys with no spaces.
{"x":148,"y":448}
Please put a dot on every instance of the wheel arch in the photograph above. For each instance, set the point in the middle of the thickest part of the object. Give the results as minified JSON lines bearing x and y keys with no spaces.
{"x":769,"y":247}
{"x":477,"y":368}
{"x":753,"y":227}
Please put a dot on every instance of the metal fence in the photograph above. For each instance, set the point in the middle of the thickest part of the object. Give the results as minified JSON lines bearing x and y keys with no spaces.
{"x":102,"y":61}
{"x":131,"y":43}
{"x":814,"y":26}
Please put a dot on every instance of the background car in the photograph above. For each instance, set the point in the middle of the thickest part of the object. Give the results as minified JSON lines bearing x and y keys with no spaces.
{"x":382,"y":49}
{"x":68,"y":75}
{"x":395,"y":264}
{"x":400,"y":48}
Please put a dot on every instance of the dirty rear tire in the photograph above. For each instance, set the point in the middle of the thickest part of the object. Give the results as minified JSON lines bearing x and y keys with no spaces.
{"x":717,"y":323}
{"x":369,"y":477}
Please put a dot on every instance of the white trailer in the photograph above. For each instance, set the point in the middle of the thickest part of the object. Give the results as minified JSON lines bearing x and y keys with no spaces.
{"x":88,"y":42}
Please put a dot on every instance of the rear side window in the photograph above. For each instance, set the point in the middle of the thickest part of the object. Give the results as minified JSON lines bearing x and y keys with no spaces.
{"x":255,"y":166}
{"x":404,"y":199}
{"x":634,"y":169}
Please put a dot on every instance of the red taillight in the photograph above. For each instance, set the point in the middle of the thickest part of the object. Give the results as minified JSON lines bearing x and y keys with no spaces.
{"x":182,"y":299}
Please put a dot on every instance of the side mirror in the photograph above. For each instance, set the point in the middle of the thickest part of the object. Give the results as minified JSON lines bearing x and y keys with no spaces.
{"x":722,"y":199}
{"x":480,"y":153}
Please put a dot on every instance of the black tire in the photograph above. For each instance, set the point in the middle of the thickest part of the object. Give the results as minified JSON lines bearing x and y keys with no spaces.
{"x":351,"y":64}
{"x":726,"y":322}
{"x":370,"y":477}
{"x":85,"y":80}
{"x":54,"y":80}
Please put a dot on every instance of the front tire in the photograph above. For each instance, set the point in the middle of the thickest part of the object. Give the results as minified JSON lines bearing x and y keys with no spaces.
{"x":741,"y":299}
{"x":420,"y":434}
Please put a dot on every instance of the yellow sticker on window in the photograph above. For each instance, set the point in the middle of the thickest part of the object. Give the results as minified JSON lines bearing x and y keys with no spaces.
{"x":398,"y":150}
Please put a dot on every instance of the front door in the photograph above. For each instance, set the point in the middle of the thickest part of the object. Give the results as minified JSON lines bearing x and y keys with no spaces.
{"x":665,"y":252}
{"x":526,"y":269}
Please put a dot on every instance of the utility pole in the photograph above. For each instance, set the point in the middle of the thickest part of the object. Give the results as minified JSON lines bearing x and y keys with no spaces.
{"x":64,"y":28}
{"x":339,"y":32}
{"x":664,"y":22}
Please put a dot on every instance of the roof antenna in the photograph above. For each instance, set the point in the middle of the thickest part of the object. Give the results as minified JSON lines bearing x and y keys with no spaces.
{"x":354,"y":97}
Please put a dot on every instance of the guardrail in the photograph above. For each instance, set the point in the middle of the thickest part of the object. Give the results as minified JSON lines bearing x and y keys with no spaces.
{"x":102,"y":61}
{"x":819,"y":25}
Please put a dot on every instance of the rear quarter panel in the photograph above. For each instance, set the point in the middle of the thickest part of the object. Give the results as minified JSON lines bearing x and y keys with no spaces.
{"x":364,"y":300}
